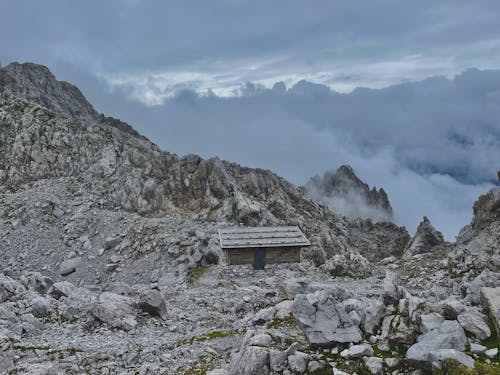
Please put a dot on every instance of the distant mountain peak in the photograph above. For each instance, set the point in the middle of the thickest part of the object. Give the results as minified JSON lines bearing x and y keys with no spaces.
{"x":348,"y":195}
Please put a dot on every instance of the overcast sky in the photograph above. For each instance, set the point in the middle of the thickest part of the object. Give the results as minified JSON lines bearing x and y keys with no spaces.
{"x":177,"y":71}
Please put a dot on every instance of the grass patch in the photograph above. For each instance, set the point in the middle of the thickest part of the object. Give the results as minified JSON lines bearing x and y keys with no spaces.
{"x":195,"y":274}
{"x":453,"y":367}
{"x":211,"y":336}
{"x":287,"y":321}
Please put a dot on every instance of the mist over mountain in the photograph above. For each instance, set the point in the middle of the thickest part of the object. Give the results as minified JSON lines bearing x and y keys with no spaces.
{"x":431,"y":144}
{"x":347,"y":195}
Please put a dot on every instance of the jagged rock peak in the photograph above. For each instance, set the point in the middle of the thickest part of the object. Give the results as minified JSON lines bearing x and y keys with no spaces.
{"x":346,"y":194}
{"x":36,"y":84}
{"x":425,"y":239}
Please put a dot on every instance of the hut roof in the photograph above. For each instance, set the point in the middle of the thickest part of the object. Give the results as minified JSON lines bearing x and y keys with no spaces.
{"x":235,"y":238}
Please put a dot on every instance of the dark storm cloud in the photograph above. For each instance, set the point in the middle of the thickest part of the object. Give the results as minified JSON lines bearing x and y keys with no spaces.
{"x":253,"y":40}
{"x":433,"y":145}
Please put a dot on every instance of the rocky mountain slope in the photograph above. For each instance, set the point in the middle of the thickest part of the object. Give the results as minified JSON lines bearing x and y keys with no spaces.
{"x":110,"y":263}
{"x":346,"y":194}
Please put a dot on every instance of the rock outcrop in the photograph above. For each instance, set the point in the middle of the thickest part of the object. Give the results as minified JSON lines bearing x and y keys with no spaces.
{"x":425,"y":239}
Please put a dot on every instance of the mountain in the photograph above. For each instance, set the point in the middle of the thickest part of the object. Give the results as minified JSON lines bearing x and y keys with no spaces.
{"x":347,"y":195}
{"x":110,"y":261}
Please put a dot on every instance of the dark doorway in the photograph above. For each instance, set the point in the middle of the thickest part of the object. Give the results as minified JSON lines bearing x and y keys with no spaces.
{"x":259,"y":259}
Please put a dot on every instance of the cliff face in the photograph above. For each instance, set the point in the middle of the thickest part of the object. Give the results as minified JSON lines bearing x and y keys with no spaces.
{"x":347,"y":195}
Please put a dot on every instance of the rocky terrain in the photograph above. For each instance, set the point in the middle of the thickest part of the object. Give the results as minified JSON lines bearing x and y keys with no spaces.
{"x":109,"y":262}
{"x":346,"y":194}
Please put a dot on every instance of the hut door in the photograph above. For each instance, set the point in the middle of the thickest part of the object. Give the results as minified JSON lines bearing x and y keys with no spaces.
{"x":259,"y":259}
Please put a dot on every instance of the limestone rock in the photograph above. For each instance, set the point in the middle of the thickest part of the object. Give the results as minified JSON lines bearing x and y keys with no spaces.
{"x":298,"y":362}
{"x":445,"y":354}
{"x":152,"y":302}
{"x":323,"y":321}
{"x":115,"y":310}
{"x":450,"y":335}
{"x":357,"y":351}
{"x":61,"y":289}
{"x":69,"y":266}
{"x":374,"y":364}
{"x":491,"y":301}
{"x":474,"y":323}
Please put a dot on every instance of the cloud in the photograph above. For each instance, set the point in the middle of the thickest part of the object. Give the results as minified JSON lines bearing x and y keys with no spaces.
{"x":433,"y":145}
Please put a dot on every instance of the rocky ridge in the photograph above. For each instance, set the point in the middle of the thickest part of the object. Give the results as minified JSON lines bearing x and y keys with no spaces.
{"x":110,"y":263}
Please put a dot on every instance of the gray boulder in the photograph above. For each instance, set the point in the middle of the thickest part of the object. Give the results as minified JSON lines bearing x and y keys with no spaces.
{"x":115,"y":310}
{"x":391,"y":293}
{"x":36,"y":282}
{"x":450,"y":335}
{"x":77,"y":304}
{"x":445,"y":354}
{"x":430,"y":321}
{"x":69,"y":266}
{"x":474,"y":323}
{"x":298,"y":362}
{"x":10,"y":289}
{"x":250,"y":360}
{"x":375,"y":365}
{"x":39,"y":307}
{"x":490,"y":297}
{"x":152,"y":302}
{"x":357,"y":351}
{"x":324,"y":321}
{"x":61,"y":289}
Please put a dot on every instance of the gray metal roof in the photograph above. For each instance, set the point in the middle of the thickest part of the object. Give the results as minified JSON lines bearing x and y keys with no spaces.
{"x":238,"y":237}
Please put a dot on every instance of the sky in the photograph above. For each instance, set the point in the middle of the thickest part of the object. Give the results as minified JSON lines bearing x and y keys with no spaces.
{"x":407,"y":93}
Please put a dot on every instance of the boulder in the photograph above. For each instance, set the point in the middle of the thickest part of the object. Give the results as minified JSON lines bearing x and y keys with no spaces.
{"x":391,"y":295}
{"x":298,"y":362}
{"x":78,"y":303}
{"x":477,"y":348}
{"x":490,"y":297}
{"x":446,"y":354}
{"x":277,"y":360}
{"x":115,"y":310}
{"x":430,"y":321}
{"x":10,"y":289}
{"x":374,"y":312}
{"x":450,"y":335}
{"x":491,"y":353}
{"x":357,"y":351}
{"x":36,"y":282}
{"x":261,"y":340}
{"x":61,"y":289}
{"x":152,"y":302}
{"x":250,"y":360}
{"x":475,"y":323}
{"x":323,"y":321}
{"x":39,"y":306}
{"x":374,"y":364}
{"x":111,"y":242}
{"x":69,"y":266}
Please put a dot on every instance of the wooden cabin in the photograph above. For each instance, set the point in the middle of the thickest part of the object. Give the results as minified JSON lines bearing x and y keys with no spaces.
{"x":262,"y":245}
